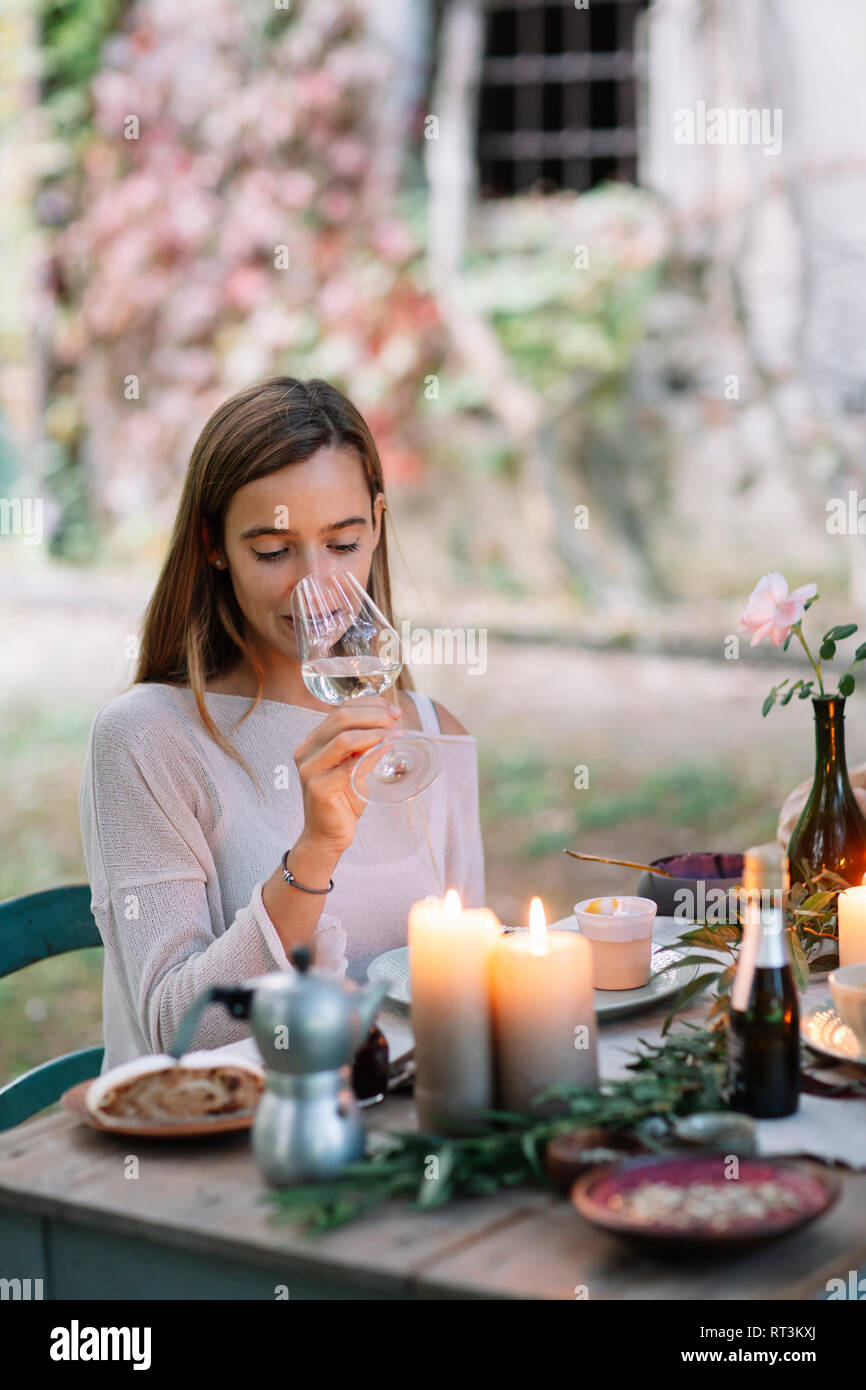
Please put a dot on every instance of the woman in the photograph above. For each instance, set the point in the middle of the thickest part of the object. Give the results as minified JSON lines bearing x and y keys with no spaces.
{"x":217,"y":769}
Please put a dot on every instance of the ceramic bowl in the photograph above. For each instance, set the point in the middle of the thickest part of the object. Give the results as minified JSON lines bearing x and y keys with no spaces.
{"x":848,"y":988}
{"x":693,"y":889}
{"x":601,"y":1196}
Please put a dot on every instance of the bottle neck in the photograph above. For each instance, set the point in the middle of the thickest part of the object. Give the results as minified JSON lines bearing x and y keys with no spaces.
{"x":830,"y":765}
{"x":772,"y":948}
{"x":763,"y":947}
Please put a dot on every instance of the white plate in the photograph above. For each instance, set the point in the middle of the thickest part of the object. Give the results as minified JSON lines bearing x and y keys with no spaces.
{"x":393,"y":967}
{"x":824,"y":1031}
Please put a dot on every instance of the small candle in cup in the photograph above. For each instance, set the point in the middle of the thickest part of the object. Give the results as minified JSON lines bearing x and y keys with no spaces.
{"x":620,"y":932}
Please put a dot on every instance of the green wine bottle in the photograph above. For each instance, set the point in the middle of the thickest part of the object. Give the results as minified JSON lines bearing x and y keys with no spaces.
{"x":764,"y":1022}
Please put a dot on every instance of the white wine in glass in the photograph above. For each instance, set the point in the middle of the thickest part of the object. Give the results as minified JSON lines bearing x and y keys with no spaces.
{"x":348,"y":649}
{"x":336,"y":679}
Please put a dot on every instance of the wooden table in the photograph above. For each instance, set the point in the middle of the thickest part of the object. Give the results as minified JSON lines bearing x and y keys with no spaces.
{"x":191,"y":1226}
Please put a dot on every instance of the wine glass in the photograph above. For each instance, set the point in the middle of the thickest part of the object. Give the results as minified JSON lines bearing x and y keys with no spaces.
{"x":348,"y":649}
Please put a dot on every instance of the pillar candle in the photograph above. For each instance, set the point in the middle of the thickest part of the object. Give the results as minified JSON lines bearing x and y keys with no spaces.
{"x":852,"y":926}
{"x":543,"y":1013}
{"x":449,"y":964}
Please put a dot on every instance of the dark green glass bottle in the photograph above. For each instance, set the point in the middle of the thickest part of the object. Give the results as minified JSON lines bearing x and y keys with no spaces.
{"x":831,"y":830}
{"x":763,"y":1074}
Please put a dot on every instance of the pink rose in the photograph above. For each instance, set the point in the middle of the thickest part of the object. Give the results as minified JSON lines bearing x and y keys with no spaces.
{"x":771,"y":609}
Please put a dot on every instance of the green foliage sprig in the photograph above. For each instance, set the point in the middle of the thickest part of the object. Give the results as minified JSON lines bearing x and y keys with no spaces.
{"x":679,"y":1076}
{"x":813,"y":909}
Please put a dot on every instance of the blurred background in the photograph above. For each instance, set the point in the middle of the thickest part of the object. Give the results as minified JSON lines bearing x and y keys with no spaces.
{"x":615,"y":365}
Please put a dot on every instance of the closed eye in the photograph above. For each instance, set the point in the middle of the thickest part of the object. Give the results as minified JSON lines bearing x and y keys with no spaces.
{"x":270,"y":555}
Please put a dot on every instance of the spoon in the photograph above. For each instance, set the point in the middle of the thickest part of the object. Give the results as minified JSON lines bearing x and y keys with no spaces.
{"x":626,"y":863}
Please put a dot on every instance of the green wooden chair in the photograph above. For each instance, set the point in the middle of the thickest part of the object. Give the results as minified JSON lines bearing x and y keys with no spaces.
{"x":33,"y":928}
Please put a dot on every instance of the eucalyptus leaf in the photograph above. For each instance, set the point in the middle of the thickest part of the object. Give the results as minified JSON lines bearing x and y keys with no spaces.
{"x":692,"y":959}
{"x":768,"y":703}
{"x":719,"y":1006}
{"x":846,"y":684}
{"x":800,"y":963}
{"x":827,"y":650}
{"x":686,"y":995}
{"x":717,"y":937}
{"x":838,"y":634}
{"x":482,"y":1185}
{"x":816,"y":902}
{"x":529,"y":1146}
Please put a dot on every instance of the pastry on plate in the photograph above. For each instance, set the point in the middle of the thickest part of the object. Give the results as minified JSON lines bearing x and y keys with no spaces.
{"x":161,"y":1088}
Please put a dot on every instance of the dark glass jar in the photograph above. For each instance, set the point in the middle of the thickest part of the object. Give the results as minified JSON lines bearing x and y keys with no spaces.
{"x":370,"y":1067}
{"x":831,"y":830}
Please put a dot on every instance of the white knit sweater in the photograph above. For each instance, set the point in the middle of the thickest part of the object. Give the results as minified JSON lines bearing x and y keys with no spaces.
{"x":178,"y":844}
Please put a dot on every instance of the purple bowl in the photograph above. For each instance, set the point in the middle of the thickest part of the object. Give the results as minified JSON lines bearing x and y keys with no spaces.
{"x":693,"y":874}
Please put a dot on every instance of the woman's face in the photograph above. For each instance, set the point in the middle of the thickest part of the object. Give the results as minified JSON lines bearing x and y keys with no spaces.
{"x":308,"y":518}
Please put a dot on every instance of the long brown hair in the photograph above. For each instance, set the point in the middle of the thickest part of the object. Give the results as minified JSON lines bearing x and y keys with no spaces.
{"x":193,"y":626}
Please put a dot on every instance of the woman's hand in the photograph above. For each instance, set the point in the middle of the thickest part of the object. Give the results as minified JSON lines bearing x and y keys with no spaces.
{"x":325,"y":761}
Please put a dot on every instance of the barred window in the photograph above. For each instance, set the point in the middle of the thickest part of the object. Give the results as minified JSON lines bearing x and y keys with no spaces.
{"x":557,"y":100}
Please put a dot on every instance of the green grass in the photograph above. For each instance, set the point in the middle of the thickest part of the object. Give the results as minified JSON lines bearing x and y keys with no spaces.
{"x":50,"y":1008}
{"x":707,"y":800}
{"x":517,"y":784}
{"x":686,"y":795}
{"x":54,"y":1006}
{"x":42,"y":754}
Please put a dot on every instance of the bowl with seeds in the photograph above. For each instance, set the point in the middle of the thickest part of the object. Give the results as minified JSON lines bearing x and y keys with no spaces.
{"x":695,"y":1200}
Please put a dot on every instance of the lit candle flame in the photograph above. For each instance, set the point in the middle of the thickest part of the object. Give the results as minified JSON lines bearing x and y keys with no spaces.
{"x":537,"y":928}
{"x":452,"y":906}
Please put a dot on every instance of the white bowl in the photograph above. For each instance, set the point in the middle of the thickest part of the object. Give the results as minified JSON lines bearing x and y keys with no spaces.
{"x":848,"y":988}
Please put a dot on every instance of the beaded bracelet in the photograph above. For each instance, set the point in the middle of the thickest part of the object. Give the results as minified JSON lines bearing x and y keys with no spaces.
{"x":290,"y":878}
